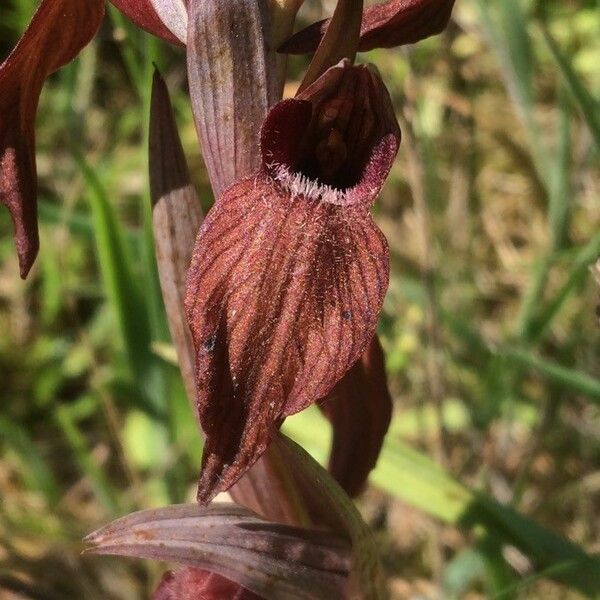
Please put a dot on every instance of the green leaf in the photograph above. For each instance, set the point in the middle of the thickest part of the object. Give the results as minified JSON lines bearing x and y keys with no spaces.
{"x":590,"y":107}
{"x":418,"y":481}
{"x":570,"y":378}
{"x":127,"y":301}
{"x":35,"y":471}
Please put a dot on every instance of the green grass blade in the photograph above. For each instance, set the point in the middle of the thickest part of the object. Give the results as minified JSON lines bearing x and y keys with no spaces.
{"x":107,"y":495}
{"x":124,"y":294}
{"x":505,"y":26}
{"x":579,"y":272}
{"x":560,"y":186}
{"x":35,"y":471}
{"x":569,"y":378}
{"x":589,"y":106}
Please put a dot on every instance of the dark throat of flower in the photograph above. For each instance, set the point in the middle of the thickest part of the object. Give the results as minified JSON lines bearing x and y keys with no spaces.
{"x":339,"y":138}
{"x":320,"y":144}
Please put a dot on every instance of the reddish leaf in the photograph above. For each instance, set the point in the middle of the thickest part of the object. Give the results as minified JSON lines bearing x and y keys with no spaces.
{"x":58,"y":31}
{"x":166,"y":19}
{"x":289,"y":271}
{"x":360,"y":410}
{"x":385,"y":25}
{"x":270,"y":559}
{"x":331,"y":507}
{"x":196,"y":584}
{"x":176,"y":216}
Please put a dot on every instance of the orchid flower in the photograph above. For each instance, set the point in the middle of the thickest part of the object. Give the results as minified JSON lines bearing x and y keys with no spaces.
{"x":279,"y":307}
{"x":290,"y":271}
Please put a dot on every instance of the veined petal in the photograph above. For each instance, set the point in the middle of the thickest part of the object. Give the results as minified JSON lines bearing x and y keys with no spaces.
{"x":385,"y":25}
{"x":268,"y":487}
{"x":360,"y":410}
{"x":270,"y":559}
{"x":192,"y":584}
{"x":283,"y":295}
{"x":57,"y":33}
{"x":166,"y":19}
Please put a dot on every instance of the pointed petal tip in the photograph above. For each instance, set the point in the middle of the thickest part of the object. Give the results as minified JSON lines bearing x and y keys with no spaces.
{"x":58,"y":31}
{"x":387,"y":24}
{"x":220,"y":475}
{"x":168,"y":166}
{"x":94,"y":536}
{"x":27,"y":260}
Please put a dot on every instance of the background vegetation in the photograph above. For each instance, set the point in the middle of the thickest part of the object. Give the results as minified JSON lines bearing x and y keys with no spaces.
{"x":489,"y":483}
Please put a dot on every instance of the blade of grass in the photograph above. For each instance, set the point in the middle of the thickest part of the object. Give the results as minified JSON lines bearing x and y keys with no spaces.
{"x":124,"y":294}
{"x":78,"y":222}
{"x":560,"y":185}
{"x":104,"y":491}
{"x":578,"y":274}
{"x":505,"y":27}
{"x":589,"y":106}
{"x":558,"y":219}
{"x":531,"y":300}
{"x":35,"y":471}
{"x":517,"y":588}
{"x":127,"y":34}
{"x":569,"y":378}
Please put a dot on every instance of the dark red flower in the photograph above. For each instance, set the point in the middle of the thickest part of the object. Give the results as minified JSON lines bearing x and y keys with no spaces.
{"x":360,"y":409}
{"x":384,"y":25}
{"x":290,"y":271}
{"x":57,"y":33}
{"x":195,"y":584}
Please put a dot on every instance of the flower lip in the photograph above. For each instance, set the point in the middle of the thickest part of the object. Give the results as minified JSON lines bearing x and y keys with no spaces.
{"x":335,"y":142}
